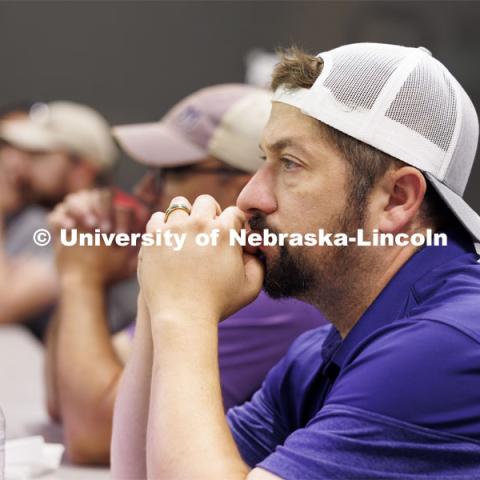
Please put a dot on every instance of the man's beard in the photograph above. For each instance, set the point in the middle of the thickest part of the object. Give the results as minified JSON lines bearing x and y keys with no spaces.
{"x":293,"y":273}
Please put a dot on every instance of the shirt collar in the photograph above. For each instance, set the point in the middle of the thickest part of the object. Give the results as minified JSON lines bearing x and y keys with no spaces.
{"x":393,"y":301}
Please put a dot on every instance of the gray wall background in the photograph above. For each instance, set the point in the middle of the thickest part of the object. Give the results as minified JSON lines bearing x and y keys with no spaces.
{"x":134,"y":60}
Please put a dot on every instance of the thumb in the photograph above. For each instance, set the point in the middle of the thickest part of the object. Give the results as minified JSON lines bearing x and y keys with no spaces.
{"x":254,"y":274}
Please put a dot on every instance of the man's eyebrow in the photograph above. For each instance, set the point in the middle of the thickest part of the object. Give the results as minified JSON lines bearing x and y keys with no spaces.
{"x":284,"y":143}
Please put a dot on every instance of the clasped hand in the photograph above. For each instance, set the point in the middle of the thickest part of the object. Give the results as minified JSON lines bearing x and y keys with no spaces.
{"x":198,"y":282}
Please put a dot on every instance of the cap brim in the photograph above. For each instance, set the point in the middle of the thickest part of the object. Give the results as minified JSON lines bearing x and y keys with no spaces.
{"x":27,"y":135}
{"x":156,"y":144}
{"x":465,"y":214}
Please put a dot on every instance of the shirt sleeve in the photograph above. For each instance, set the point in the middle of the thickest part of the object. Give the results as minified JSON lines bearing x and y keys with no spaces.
{"x":19,"y":235}
{"x":348,"y":443}
{"x":405,"y":407}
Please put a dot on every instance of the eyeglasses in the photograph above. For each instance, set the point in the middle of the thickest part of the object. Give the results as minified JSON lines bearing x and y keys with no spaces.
{"x":187,"y":170}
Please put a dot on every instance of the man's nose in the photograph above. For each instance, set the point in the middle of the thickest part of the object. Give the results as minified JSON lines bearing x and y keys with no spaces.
{"x":258,"y":194}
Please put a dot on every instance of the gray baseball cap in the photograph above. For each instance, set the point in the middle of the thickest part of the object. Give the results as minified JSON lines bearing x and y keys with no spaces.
{"x":225,"y":121}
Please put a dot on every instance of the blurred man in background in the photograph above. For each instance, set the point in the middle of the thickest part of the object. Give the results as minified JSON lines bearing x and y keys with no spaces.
{"x":46,"y":152}
{"x":207,"y":143}
{"x":27,"y":279}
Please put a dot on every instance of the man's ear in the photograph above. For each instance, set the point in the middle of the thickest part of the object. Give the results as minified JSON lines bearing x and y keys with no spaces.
{"x":399,"y":199}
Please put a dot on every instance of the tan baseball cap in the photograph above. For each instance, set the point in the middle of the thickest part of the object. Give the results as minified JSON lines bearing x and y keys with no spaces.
{"x":225,"y":121}
{"x":65,"y":126}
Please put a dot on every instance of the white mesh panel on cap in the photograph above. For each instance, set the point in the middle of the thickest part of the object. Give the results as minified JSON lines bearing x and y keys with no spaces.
{"x":357,"y":86}
{"x":426,"y":103}
{"x":358,"y":75}
{"x":460,"y":166}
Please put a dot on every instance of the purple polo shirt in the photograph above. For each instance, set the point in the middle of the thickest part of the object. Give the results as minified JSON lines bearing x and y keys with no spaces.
{"x":398,"y":398}
{"x":254,"y":339}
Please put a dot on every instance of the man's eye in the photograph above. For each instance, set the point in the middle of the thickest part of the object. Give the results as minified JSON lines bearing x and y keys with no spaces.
{"x":288,"y":164}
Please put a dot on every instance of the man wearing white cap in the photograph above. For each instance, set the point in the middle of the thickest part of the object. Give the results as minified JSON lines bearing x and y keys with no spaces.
{"x":356,"y":138}
{"x":70,"y":148}
{"x":207,"y":143}
{"x":46,"y":152}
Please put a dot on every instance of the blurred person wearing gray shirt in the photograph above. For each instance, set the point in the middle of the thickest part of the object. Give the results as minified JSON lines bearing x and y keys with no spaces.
{"x":47,"y":151}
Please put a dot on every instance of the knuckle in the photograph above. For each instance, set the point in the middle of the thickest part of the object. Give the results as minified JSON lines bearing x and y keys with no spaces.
{"x":69,"y":198}
{"x":76,"y":195}
{"x":224,"y":229}
{"x":157,"y":217}
{"x":179,"y":199}
{"x":155,"y":222}
{"x":198,"y":223}
{"x":206,"y":197}
{"x":224,"y":232}
{"x":176,"y":227}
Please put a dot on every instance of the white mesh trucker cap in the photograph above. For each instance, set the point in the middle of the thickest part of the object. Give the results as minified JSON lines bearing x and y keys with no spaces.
{"x":403,"y":102}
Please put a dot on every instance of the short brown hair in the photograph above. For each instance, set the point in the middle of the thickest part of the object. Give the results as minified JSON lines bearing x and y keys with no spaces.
{"x":298,"y":69}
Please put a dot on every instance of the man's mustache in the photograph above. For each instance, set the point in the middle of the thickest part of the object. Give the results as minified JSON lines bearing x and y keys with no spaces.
{"x":258,"y":222}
